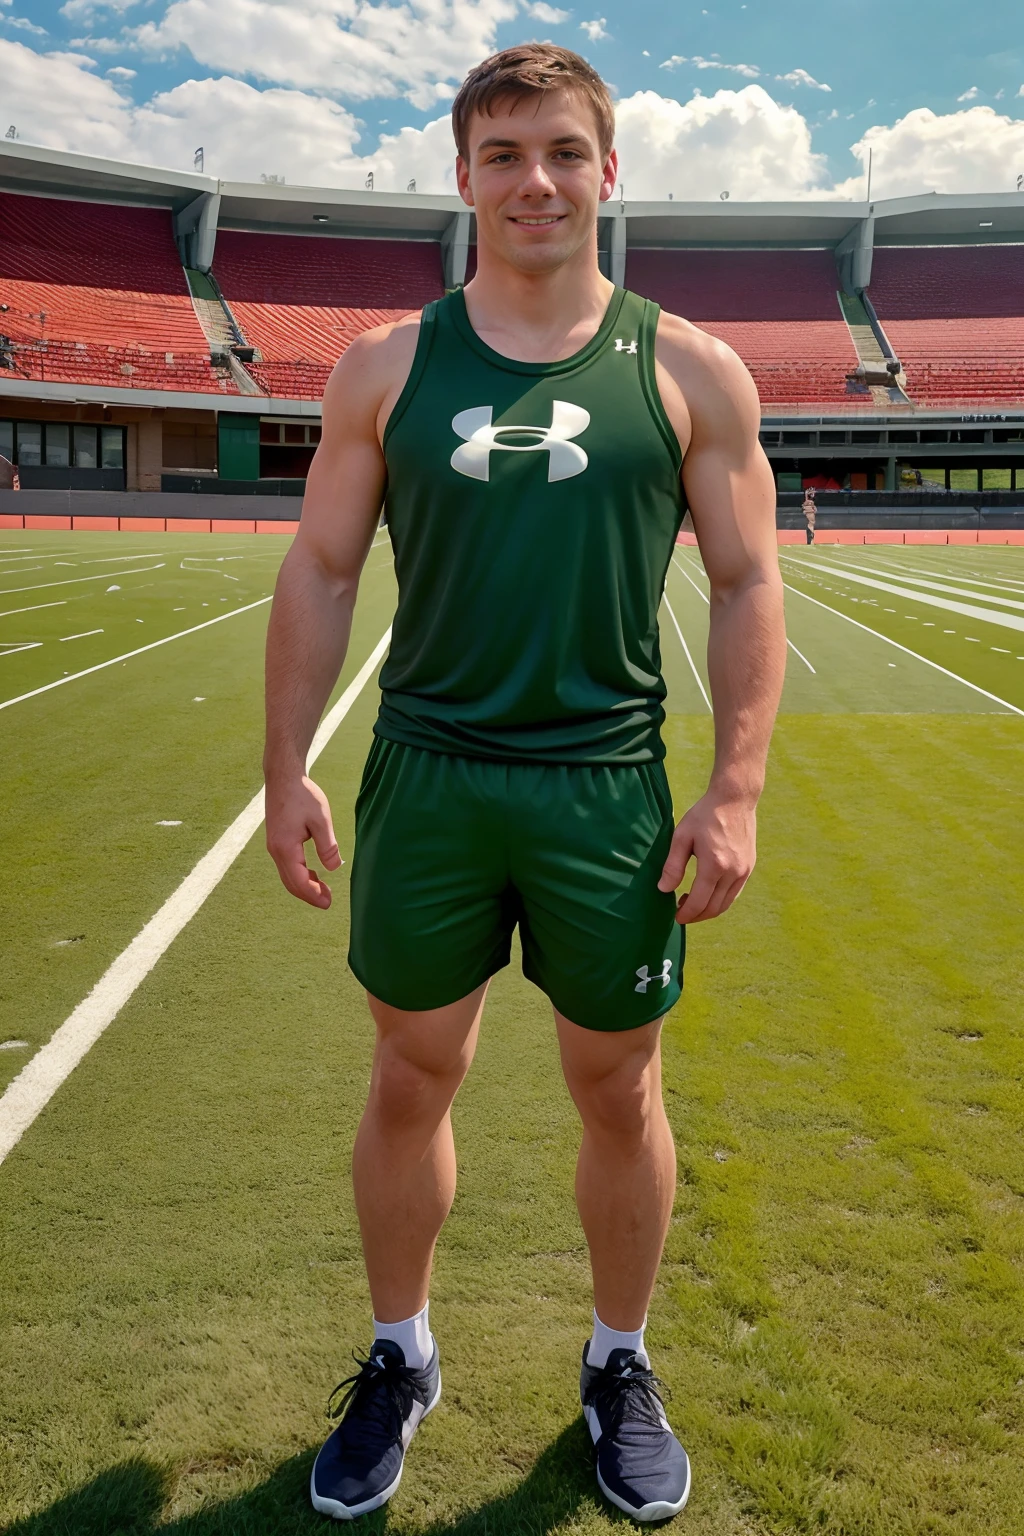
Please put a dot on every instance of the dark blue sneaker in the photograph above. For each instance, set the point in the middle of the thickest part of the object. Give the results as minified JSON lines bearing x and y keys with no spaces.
{"x":360,"y":1464}
{"x":641,"y":1466}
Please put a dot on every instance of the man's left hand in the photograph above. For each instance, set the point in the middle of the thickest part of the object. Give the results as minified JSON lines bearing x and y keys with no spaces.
{"x":721,"y":834}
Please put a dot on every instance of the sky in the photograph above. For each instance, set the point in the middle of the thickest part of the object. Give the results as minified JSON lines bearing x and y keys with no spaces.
{"x":763,"y":99}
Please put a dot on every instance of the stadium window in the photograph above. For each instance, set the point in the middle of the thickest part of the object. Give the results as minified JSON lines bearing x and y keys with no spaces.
{"x":112,"y":448}
{"x":295,"y":434}
{"x":30,"y":442}
{"x":996,"y":479}
{"x":933,"y":479}
{"x":7,"y":439}
{"x":85,"y":446}
{"x":58,"y":445}
{"x":314,"y":434}
{"x":965,"y":479}
{"x":831,"y":437}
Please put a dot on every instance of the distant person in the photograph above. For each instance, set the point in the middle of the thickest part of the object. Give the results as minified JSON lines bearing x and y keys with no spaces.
{"x":9,"y":480}
{"x":536,"y":438}
{"x":810,"y":512}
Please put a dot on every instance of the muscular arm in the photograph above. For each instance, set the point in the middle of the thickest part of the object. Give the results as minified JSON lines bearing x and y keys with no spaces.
{"x":315,"y":594}
{"x":711,"y":397}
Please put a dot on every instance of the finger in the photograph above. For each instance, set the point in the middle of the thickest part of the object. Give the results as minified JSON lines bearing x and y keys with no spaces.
{"x":732,"y":893}
{"x":679,"y":856}
{"x":718,"y":900}
{"x":322,"y":832}
{"x":303,"y":882}
{"x":691,"y":906}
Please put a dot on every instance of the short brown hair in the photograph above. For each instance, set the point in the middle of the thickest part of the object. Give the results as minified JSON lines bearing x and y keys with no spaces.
{"x":531,"y":69}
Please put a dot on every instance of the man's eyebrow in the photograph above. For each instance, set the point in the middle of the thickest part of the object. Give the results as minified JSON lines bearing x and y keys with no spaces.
{"x":497,"y":143}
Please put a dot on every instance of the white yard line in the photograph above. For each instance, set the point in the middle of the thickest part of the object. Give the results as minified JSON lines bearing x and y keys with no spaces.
{"x":62,"y":603}
{"x":40,"y":1078}
{"x":969,"y":610}
{"x":127,"y":655}
{"x":699,"y":593}
{"x":686,"y":650}
{"x":31,"y":645}
{"x":71,"y":581}
{"x":906,"y":650}
{"x":945,"y":587}
{"x":34,"y":554}
{"x":83,"y":636}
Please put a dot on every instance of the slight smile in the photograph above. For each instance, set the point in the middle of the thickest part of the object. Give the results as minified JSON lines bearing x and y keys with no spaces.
{"x":525,"y":218}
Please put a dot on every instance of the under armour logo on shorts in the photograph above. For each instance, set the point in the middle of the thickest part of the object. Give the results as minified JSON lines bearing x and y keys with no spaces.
{"x":645,"y":976}
{"x":565,"y":458}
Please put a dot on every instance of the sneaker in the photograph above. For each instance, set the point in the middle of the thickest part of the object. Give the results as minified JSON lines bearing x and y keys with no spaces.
{"x":641,"y":1467}
{"x":360,"y":1464}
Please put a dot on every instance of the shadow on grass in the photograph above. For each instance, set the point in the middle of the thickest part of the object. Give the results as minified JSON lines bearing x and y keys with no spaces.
{"x":128,"y":1500}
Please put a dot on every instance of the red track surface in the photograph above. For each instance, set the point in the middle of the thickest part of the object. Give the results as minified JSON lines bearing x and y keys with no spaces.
{"x":110,"y":284}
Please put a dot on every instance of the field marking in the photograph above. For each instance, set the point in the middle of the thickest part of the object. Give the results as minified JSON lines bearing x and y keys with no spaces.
{"x":127,"y":655}
{"x":34,"y":554}
{"x":987,"y":615}
{"x":689,"y":658}
{"x":44,"y":586}
{"x":707,"y":599}
{"x":12,"y":650}
{"x":945,"y":587}
{"x":61,"y":603}
{"x":905,"y":649}
{"x":39,"y":1079}
{"x":83,"y":636}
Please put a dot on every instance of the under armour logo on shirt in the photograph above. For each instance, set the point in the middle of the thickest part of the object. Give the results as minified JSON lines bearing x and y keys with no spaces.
{"x":645,"y":976}
{"x":622,"y":346}
{"x":565,"y":458}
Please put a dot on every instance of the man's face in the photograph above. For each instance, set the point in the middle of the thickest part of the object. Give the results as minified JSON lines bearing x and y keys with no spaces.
{"x":535,"y":177}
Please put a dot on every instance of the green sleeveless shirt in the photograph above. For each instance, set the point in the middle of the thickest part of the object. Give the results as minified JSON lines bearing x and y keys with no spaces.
{"x":533,"y":509}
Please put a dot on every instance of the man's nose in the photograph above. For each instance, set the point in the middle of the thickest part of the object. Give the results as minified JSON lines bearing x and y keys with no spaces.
{"x":535,"y":181}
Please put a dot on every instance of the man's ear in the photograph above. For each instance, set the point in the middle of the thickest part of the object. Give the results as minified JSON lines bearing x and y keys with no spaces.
{"x":462,"y":181}
{"x":609,"y":176}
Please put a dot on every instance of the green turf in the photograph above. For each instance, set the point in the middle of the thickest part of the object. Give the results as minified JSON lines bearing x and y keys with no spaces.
{"x":839,"y":1313}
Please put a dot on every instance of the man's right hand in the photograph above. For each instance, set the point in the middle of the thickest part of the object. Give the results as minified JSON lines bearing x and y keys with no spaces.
{"x":296,"y":812}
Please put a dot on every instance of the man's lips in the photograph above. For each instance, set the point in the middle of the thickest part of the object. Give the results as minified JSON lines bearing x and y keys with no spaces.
{"x":536,"y":220}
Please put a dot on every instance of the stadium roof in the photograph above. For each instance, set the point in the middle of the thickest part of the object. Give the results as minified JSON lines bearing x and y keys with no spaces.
{"x":930,"y":218}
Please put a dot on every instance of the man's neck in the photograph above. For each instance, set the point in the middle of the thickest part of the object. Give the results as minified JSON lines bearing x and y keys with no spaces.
{"x":537,"y":317}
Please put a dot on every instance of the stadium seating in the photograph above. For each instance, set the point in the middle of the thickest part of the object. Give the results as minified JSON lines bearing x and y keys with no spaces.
{"x":301,"y":299}
{"x":778,"y":309}
{"x":108,"y":282}
{"x":955,"y":318}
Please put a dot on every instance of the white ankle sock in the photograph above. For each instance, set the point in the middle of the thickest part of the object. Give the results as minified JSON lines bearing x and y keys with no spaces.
{"x":412,"y":1336}
{"x":607,"y":1339}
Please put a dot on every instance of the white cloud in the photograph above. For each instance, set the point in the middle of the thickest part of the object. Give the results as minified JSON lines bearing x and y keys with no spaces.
{"x":86,"y":11}
{"x":119,"y":72}
{"x":354,"y":47}
{"x":549,"y":14}
{"x":595,"y":30}
{"x":24,"y":25}
{"x":743,"y":141}
{"x":748,"y":71}
{"x":969,"y":95}
{"x":977,"y":150}
{"x":801,"y":77}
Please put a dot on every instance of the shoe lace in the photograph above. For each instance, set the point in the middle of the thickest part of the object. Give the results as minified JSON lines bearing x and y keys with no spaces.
{"x":381,"y":1392}
{"x":634,"y":1394}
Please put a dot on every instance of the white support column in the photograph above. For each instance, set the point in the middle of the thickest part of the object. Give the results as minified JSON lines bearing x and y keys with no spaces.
{"x":617,"y":247}
{"x":195,"y":229}
{"x":455,"y":249}
{"x":854,"y":255}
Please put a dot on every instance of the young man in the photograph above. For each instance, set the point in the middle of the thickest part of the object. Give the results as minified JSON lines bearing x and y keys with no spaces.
{"x":810,"y":511}
{"x":531,"y":437}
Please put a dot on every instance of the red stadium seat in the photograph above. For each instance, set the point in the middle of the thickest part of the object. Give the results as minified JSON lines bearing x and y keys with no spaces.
{"x":301,"y":299}
{"x":114,"y":296}
{"x":778,"y":310}
{"x":955,"y":317}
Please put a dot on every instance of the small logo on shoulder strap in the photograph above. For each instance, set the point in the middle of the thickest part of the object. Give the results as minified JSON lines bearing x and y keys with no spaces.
{"x":623,"y":346}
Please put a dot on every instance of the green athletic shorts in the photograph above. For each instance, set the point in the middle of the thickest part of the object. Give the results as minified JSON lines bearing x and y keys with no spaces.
{"x":452,"y":852}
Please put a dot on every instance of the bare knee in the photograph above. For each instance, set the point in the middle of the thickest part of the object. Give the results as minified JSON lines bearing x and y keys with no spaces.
{"x":405,"y":1093}
{"x":619,"y":1103}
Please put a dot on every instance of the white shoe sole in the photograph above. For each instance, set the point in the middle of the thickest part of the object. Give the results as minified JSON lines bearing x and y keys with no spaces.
{"x":339,"y":1511}
{"x":658,"y":1509}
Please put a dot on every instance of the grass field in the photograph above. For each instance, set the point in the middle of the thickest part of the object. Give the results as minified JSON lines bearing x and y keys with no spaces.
{"x":840,"y":1315}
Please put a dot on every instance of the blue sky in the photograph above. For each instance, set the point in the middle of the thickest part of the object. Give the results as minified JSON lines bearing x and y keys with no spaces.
{"x":345,"y":72}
